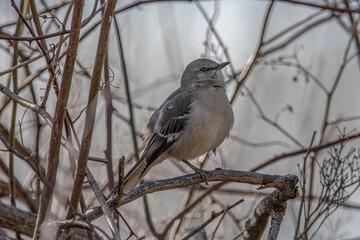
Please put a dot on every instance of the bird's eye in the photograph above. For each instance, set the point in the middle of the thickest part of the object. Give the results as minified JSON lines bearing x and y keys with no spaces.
{"x":203,"y":69}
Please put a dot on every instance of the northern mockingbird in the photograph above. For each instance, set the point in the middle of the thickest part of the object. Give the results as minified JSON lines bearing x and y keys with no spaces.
{"x":193,"y":120}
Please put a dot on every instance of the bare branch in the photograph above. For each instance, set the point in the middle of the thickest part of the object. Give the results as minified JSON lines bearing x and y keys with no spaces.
{"x":273,"y":205}
{"x":213,"y":217}
{"x":105,"y":208}
{"x":324,"y":7}
{"x":60,"y":112}
{"x":280,"y":182}
{"x":30,"y":39}
{"x":92,"y":105}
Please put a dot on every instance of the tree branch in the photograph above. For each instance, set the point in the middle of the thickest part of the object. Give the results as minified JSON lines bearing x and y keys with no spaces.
{"x":92,"y":102}
{"x":60,"y":113}
{"x":286,"y":183}
{"x":273,"y":205}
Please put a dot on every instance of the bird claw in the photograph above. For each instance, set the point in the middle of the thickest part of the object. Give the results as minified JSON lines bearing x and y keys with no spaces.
{"x":199,"y":171}
{"x":202,"y":174}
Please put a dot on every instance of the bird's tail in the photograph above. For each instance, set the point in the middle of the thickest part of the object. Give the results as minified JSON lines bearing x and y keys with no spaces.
{"x":136,"y":173}
{"x":134,"y":176}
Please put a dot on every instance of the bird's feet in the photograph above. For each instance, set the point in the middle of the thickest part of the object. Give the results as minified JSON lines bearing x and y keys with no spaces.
{"x":199,"y":171}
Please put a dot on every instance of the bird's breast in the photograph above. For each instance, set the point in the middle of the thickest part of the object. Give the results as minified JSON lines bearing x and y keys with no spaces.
{"x":209,"y":124}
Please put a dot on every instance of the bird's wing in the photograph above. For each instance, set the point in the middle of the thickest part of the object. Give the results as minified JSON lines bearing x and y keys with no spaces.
{"x":167,"y":125}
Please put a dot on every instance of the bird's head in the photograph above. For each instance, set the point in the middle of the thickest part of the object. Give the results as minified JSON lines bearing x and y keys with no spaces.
{"x":203,"y":72}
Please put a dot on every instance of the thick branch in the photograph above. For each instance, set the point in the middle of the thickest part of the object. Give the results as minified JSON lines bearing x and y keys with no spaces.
{"x":285,"y":183}
{"x":21,"y":221}
{"x":273,"y":205}
{"x":17,"y":220}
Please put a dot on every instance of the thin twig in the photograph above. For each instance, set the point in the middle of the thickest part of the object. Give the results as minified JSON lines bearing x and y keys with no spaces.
{"x":127,"y":88}
{"x":252,"y":59}
{"x":329,"y":100}
{"x":35,"y":38}
{"x":181,"y":214}
{"x":216,"y":34}
{"x":303,"y":179}
{"x":108,"y":120}
{"x":43,"y":50}
{"x":303,"y":151}
{"x":105,"y":208}
{"x":31,"y":162}
{"x":149,"y":219}
{"x":324,"y":7}
{"x":213,"y":216}
{"x":271,"y":122}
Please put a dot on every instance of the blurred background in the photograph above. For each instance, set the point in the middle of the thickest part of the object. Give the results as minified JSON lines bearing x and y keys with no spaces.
{"x":294,"y":71}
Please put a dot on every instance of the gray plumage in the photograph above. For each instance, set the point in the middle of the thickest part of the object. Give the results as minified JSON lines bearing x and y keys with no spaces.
{"x":193,"y":120}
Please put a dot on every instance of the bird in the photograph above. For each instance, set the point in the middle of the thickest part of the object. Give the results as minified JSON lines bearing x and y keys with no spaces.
{"x":193,"y":120}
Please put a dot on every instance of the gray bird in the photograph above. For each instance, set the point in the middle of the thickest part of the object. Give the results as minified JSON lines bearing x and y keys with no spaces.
{"x":193,"y":120}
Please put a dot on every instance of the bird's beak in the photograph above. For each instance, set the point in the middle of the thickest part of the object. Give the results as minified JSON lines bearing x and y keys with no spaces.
{"x":221,"y":65}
